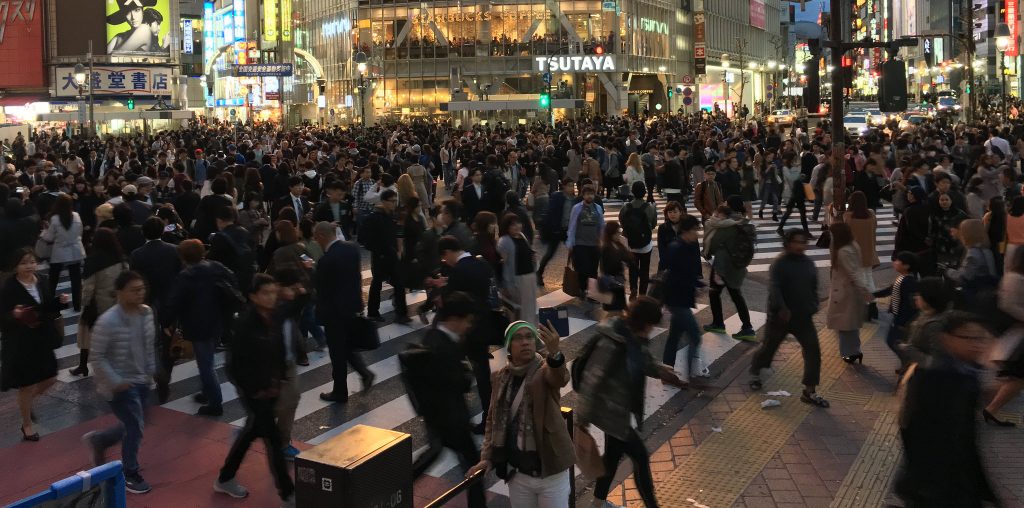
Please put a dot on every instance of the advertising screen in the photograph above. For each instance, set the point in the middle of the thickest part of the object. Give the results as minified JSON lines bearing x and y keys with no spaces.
{"x":21,"y":44}
{"x":138,"y":27}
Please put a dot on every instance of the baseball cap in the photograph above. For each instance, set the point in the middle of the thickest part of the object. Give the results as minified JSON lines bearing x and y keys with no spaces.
{"x":144,"y":181}
{"x":129,"y":189}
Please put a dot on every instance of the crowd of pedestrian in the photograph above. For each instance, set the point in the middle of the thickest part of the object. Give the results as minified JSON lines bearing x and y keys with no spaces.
{"x":212,"y":238}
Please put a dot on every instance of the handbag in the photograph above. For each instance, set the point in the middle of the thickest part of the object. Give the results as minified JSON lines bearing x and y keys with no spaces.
{"x":886,"y":193}
{"x":588,"y":456}
{"x":44,"y":249}
{"x":824,"y":240}
{"x":809,"y":192}
{"x":364,"y":336}
{"x":570,"y":281}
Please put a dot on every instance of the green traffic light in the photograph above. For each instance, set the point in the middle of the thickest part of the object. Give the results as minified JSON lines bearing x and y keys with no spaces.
{"x":545,"y":100}
{"x":131,"y":103}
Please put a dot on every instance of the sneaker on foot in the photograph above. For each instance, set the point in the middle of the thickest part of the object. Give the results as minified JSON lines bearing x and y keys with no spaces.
{"x":231,"y":488}
{"x":714,"y":328}
{"x":746,"y":334}
{"x":290,"y":452}
{"x":95,"y":450}
{"x":135,"y":484}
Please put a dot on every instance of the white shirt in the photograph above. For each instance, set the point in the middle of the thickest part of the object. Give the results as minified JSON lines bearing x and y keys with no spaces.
{"x":1003,"y":145}
{"x":444,"y":329}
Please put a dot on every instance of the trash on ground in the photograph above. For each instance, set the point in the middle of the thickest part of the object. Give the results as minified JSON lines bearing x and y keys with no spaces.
{"x":770,"y":403}
{"x":779,"y":393}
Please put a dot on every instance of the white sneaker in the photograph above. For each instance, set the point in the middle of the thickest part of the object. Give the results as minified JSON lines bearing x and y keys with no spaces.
{"x":231,"y":488}
{"x":699,"y":369}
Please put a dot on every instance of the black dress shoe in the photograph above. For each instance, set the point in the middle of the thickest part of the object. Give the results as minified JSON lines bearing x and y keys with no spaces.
{"x":29,"y":437}
{"x":368,"y":381}
{"x":209,"y":410}
{"x":989,"y":418}
{"x":378,"y":318}
{"x":199,"y":398}
{"x":331,"y":397}
{"x":403,"y":320}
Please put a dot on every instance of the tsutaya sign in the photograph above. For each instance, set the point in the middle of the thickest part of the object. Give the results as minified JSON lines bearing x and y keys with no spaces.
{"x":576,"y":63}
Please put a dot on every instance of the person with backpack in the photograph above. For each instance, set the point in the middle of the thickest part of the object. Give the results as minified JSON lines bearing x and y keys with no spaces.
{"x":609,"y":377}
{"x":232,"y":247}
{"x":638,"y":219}
{"x":586,"y":223}
{"x":729,"y":243}
{"x":708,"y":195}
{"x":526,"y":441}
{"x":682,"y":281}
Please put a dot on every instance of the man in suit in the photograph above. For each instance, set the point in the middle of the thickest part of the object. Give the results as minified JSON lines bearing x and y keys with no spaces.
{"x":473,"y":195}
{"x":380,"y":234}
{"x":293,"y":199}
{"x":443,"y":403}
{"x":339,"y":300}
{"x":93,"y":165}
{"x":336,"y":209}
{"x":472,"y":276}
{"x":158,"y":263}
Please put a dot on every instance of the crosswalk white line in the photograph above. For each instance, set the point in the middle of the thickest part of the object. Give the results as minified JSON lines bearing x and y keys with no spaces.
{"x":879,"y":249}
{"x":778,"y":244}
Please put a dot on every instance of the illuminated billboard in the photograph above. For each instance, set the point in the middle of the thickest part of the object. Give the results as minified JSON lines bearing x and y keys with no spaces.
{"x":21,"y":44}
{"x":138,"y":27}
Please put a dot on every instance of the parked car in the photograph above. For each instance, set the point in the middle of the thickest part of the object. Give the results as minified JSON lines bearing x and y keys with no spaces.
{"x":782,"y":117}
{"x":856,"y":124}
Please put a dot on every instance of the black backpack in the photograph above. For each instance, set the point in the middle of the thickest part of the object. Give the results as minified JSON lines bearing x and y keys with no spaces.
{"x":635,"y":226}
{"x":579,"y":365}
{"x":746,"y":242}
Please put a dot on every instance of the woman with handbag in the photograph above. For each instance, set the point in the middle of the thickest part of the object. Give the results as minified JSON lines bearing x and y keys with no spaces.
{"x":519,"y":278}
{"x":864,"y":226}
{"x":526,"y":441}
{"x":64,"y":239}
{"x":29,"y":321}
{"x":615,"y":256}
{"x":104,"y":263}
{"x":793,"y":193}
{"x":848,"y":294}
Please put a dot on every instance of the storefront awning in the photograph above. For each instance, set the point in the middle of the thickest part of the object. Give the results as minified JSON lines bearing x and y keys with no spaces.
{"x":102,"y":117}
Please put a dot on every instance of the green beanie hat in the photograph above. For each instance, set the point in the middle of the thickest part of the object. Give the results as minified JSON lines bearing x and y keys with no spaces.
{"x":515,"y":326}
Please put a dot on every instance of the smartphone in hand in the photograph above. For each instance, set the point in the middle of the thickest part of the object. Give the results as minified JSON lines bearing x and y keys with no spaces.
{"x":559,"y":318}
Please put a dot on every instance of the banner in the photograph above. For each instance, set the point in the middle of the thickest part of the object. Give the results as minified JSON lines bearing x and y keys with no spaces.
{"x":1014,"y":26}
{"x":116,"y":80}
{"x":286,"y":20}
{"x":757,"y":14}
{"x":699,"y":48}
{"x":270,"y":20}
{"x":21,"y":44}
{"x":138,"y":27}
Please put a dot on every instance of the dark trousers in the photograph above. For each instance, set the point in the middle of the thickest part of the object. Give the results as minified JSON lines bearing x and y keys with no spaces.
{"x":164,"y":362}
{"x":341,"y":357}
{"x":482,"y":373}
{"x":382,"y":270}
{"x":633,"y":447}
{"x":75,"y":273}
{"x":797,"y":203}
{"x":715,"y":297}
{"x":639,"y":273}
{"x":817,"y":209}
{"x":894,"y":338}
{"x":552,"y":248}
{"x":585,"y":259}
{"x":802,"y":327}
{"x":459,"y":440}
{"x":259,"y":422}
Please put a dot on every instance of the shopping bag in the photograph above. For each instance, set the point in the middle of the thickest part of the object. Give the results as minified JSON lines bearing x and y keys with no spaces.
{"x":588,"y":457}
{"x":570,"y":282}
{"x":809,"y":192}
{"x":594,"y":292}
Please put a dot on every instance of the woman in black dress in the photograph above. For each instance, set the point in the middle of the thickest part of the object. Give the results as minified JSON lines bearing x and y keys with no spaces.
{"x":614,"y":256}
{"x":29,"y":313}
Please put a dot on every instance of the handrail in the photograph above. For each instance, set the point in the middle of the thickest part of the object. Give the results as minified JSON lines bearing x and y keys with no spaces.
{"x":478,"y":475}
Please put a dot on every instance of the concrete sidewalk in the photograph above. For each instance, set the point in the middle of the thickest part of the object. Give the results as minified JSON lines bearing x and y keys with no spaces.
{"x":734,"y":453}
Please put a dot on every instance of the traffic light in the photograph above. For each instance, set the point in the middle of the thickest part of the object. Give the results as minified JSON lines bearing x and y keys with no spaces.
{"x":892,"y":87}
{"x":545,"y":100}
{"x":599,"y":50}
{"x":131,"y":103}
{"x":670,"y":92}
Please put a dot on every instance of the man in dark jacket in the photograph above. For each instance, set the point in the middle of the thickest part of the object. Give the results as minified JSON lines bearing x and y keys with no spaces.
{"x":443,"y":403}
{"x":294,"y":199}
{"x":232,"y":248}
{"x":380,"y":235}
{"x":792,"y":303}
{"x":158,"y":263}
{"x":256,"y":365}
{"x":339,"y":299}
{"x":472,"y":276}
{"x":683,"y":280}
{"x":202,"y":297}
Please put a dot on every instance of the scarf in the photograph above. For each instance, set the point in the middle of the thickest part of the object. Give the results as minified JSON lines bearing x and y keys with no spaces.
{"x":711,"y":227}
{"x":523,"y":417}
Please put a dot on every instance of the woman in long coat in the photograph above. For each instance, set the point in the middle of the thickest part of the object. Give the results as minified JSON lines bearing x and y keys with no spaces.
{"x":29,"y":313}
{"x":864,"y":226}
{"x":849,"y":293}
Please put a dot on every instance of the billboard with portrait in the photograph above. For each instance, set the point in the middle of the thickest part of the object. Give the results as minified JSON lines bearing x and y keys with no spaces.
{"x":138,"y":27}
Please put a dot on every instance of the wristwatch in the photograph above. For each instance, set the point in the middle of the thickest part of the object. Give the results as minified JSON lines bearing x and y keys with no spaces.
{"x":556,"y":360}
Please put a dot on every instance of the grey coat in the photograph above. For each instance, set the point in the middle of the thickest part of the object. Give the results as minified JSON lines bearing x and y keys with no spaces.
{"x":607,"y":395}
{"x":67,"y":243}
{"x":111,"y":357}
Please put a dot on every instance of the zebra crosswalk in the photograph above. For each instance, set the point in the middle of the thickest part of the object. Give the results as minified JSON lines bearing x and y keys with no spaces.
{"x":769,"y":243}
{"x":386,"y":404}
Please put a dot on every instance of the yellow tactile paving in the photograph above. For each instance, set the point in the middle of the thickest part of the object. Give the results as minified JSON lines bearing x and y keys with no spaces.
{"x":868,"y":479}
{"x":882,"y":401}
{"x":855,"y":399}
{"x":724,"y":464}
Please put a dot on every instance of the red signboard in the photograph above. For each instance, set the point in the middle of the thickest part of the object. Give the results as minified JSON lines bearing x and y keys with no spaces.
{"x":757,"y":14}
{"x":21,"y":44}
{"x":1011,"y":22}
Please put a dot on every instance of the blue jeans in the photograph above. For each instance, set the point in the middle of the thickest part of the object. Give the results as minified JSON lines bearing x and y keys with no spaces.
{"x":128,"y":408}
{"x":204,"y":351}
{"x":681,"y":321}
{"x":309,"y":325}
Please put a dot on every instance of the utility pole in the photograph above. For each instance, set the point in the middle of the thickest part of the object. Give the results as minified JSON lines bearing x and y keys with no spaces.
{"x":92,"y":101}
{"x":835,"y":36}
{"x":741,"y":44}
{"x":969,"y":48}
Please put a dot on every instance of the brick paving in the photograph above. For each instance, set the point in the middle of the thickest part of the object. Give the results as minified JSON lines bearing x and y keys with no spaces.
{"x":844,"y":456}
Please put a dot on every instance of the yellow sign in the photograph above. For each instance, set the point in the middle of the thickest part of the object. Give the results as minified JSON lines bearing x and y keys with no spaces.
{"x":286,"y":20}
{"x":270,"y":20}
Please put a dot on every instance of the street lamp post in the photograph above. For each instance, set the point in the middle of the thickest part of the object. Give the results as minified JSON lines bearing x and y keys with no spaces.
{"x":1002,"y":44}
{"x":360,"y":60}
{"x":725,"y":83}
{"x":84,"y":81}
